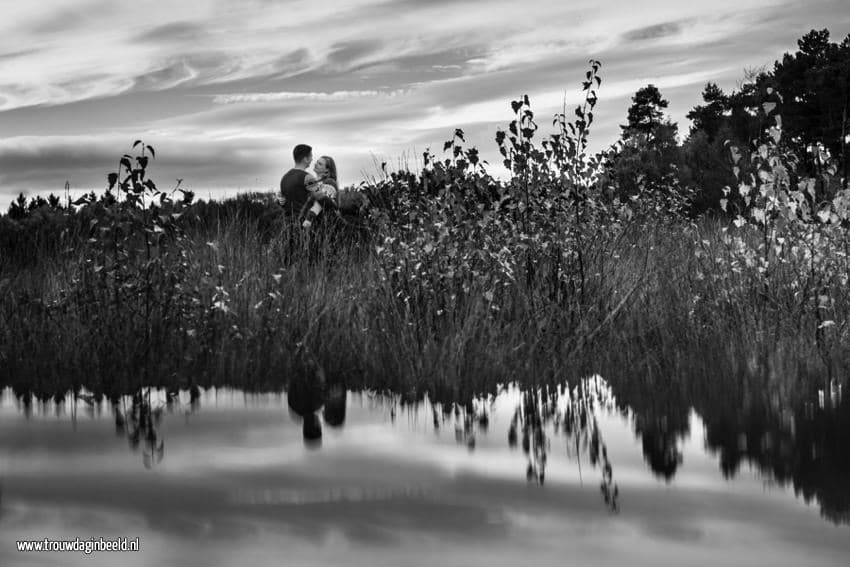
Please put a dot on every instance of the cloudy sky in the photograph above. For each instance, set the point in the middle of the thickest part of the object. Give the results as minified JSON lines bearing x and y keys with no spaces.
{"x":224,"y":89}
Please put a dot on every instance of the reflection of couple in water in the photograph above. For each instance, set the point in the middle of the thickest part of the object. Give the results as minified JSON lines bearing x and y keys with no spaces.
{"x":304,"y":194}
{"x":306,"y":395}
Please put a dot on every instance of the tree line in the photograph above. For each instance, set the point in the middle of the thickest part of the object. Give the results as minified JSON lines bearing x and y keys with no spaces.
{"x":809,"y":88}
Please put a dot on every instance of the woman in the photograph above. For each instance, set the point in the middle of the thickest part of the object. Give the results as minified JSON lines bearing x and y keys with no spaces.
{"x":323,"y":191}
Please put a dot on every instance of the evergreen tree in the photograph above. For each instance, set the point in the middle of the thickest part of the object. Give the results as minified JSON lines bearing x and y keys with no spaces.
{"x":646,"y":113}
{"x":710,"y":117}
{"x":814,"y":84}
{"x":648,"y":157}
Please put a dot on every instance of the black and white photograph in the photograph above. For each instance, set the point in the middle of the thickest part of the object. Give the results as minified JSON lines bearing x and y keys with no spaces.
{"x":430,"y":283}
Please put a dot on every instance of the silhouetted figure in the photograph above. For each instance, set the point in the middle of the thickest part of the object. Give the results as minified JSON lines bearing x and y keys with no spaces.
{"x":293,"y":184}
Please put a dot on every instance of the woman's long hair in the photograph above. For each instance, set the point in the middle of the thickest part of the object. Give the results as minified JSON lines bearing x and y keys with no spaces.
{"x":331,"y":166}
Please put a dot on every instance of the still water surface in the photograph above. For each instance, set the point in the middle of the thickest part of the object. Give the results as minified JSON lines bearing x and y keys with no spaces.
{"x":230,"y":480}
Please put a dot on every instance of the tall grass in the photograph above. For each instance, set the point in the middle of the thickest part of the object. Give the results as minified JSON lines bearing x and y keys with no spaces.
{"x":250,"y":311}
{"x":457,"y":281}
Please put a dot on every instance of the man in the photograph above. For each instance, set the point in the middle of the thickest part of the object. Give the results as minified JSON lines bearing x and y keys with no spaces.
{"x":293,"y":184}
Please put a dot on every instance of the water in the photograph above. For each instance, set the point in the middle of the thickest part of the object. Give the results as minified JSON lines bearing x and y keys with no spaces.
{"x":230,"y":480}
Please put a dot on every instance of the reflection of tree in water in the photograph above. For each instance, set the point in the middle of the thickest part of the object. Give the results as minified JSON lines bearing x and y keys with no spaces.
{"x":563,"y":411}
{"x":139,"y":423}
{"x":793,"y":433}
{"x":27,"y":399}
{"x":572,"y":412}
{"x":137,"y":420}
{"x":535,"y":409}
{"x":821,"y":468}
{"x":660,"y":413}
{"x":779,"y":422}
{"x":804,"y":443}
{"x":579,"y":424}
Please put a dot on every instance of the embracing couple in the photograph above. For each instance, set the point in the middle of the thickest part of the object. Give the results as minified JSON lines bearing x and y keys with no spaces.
{"x":306,"y":195}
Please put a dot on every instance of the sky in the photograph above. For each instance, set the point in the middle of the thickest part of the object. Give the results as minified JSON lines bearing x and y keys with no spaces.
{"x":224,"y":89}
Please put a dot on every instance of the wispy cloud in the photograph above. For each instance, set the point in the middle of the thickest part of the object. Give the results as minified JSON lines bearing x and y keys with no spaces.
{"x":357,"y":78}
{"x":16,"y":54}
{"x":307,"y":96}
{"x":173,"y":32}
{"x":655,"y":31}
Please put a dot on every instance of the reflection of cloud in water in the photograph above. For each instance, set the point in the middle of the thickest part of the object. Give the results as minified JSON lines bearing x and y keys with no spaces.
{"x":238,"y":480}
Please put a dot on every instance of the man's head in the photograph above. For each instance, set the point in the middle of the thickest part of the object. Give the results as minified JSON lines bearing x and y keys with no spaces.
{"x":303,"y":155}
